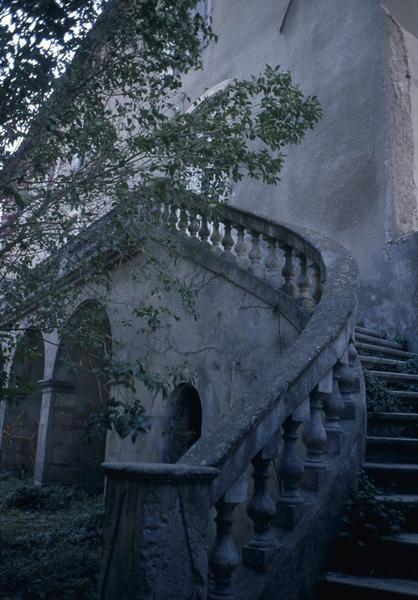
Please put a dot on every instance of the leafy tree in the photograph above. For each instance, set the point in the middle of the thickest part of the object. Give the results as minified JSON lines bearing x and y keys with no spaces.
{"x":97,"y":131}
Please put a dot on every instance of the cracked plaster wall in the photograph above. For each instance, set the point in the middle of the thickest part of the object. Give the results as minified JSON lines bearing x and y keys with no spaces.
{"x":229,"y":349}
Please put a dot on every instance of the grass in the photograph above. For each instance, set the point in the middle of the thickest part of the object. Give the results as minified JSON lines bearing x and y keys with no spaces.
{"x":50,"y":542}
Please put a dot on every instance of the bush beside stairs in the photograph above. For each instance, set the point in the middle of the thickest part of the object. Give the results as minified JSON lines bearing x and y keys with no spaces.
{"x":384,"y":565}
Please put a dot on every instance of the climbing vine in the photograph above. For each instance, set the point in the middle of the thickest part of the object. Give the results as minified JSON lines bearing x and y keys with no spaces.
{"x":103,"y":145}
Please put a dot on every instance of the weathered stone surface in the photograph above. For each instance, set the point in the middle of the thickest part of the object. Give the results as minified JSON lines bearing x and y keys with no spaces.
{"x":155,"y":532}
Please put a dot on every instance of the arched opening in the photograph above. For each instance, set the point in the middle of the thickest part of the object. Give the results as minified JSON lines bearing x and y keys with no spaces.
{"x":23,"y":404}
{"x":82,"y":364}
{"x":184,"y":422}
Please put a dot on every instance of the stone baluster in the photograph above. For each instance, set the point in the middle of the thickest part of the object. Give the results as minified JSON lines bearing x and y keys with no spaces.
{"x":272,"y":263}
{"x":216,"y":237}
{"x":193,"y":225}
{"x":291,"y":504}
{"x":334,"y":406}
{"x":183,"y":220}
{"x":241,"y":249}
{"x":315,"y":439}
{"x":349,"y":384}
{"x":304,"y":284}
{"x":352,"y":357}
{"x":224,"y":558}
{"x":204,"y":230}
{"x":289,"y":287}
{"x":261,"y":510}
{"x":317,"y":286}
{"x":227,"y":239}
{"x":255,"y":254}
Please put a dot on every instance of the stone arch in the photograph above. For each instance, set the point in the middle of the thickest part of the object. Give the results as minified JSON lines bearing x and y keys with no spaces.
{"x":23,"y":404}
{"x":80,"y":388}
{"x":183,"y":422}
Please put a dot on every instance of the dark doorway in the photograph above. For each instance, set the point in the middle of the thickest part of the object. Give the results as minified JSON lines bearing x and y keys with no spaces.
{"x":184,"y":422}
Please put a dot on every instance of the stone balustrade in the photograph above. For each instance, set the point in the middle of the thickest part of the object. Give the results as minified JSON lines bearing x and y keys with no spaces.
{"x":273,"y":252}
{"x":307,"y":421}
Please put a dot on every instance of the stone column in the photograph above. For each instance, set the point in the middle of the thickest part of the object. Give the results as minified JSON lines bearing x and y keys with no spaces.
{"x":51,"y":388}
{"x":155,"y":540}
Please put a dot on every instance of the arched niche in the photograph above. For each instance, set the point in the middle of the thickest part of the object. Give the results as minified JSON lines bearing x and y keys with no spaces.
{"x":82,"y":390}
{"x":183,"y":422}
{"x":23,"y":404}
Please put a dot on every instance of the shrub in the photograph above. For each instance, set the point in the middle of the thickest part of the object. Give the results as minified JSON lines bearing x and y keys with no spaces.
{"x":32,"y":497}
{"x":50,"y":541}
{"x":377,"y":397}
{"x":366,"y":516}
{"x":409,"y":366}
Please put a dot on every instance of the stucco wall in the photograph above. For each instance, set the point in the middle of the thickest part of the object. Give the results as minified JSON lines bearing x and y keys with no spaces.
{"x":340,"y":180}
{"x":405,"y":12}
{"x":402,"y":249}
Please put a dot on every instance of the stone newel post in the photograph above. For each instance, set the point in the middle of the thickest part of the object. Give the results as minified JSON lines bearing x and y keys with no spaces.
{"x":155,"y":540}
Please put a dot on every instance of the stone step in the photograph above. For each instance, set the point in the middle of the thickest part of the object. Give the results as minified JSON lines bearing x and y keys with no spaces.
{"x":349,"y":587}
{"x":403,"y":424}
{"x":371,"y":332}
{"x":399,"y":477}
{"x":398,"y":378}
{"x":381,"y":362}
{"x":394,"y":555}
{"x":401,"y":354}
{"x":390,"y":449}
{"x":404,"y":395}
{"x":407,"y":504}
{"x":361,"y":337}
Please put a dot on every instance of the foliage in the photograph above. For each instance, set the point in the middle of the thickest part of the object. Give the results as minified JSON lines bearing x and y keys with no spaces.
{"x":365,"y":515}
{"x":377,"y":397}
{"x":399,"y":339}
{"x":104,"y":143}
{"x":25,"y":495}
{"x":126,"y":418}
{"x":409,"y":366}
{"x":50,"y":542}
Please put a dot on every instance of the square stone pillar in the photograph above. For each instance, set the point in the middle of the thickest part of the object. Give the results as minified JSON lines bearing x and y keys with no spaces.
{"x":155,"y":540}
{"x":51,"y":389}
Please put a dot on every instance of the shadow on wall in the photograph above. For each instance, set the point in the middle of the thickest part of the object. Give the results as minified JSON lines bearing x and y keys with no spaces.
{"x":81,"y":363}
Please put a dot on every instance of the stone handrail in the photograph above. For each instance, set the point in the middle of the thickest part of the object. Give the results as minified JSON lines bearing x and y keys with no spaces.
{"x":317,"y":376}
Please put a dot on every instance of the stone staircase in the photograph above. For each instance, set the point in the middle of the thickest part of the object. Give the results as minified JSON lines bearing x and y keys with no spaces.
{"x":387,"y":565}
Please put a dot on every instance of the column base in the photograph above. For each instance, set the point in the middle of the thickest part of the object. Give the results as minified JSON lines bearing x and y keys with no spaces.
{"x":258,"y":557}
{"x":288,"y":515}
{"x":334,"y":441}
{"x":313,"y":476}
